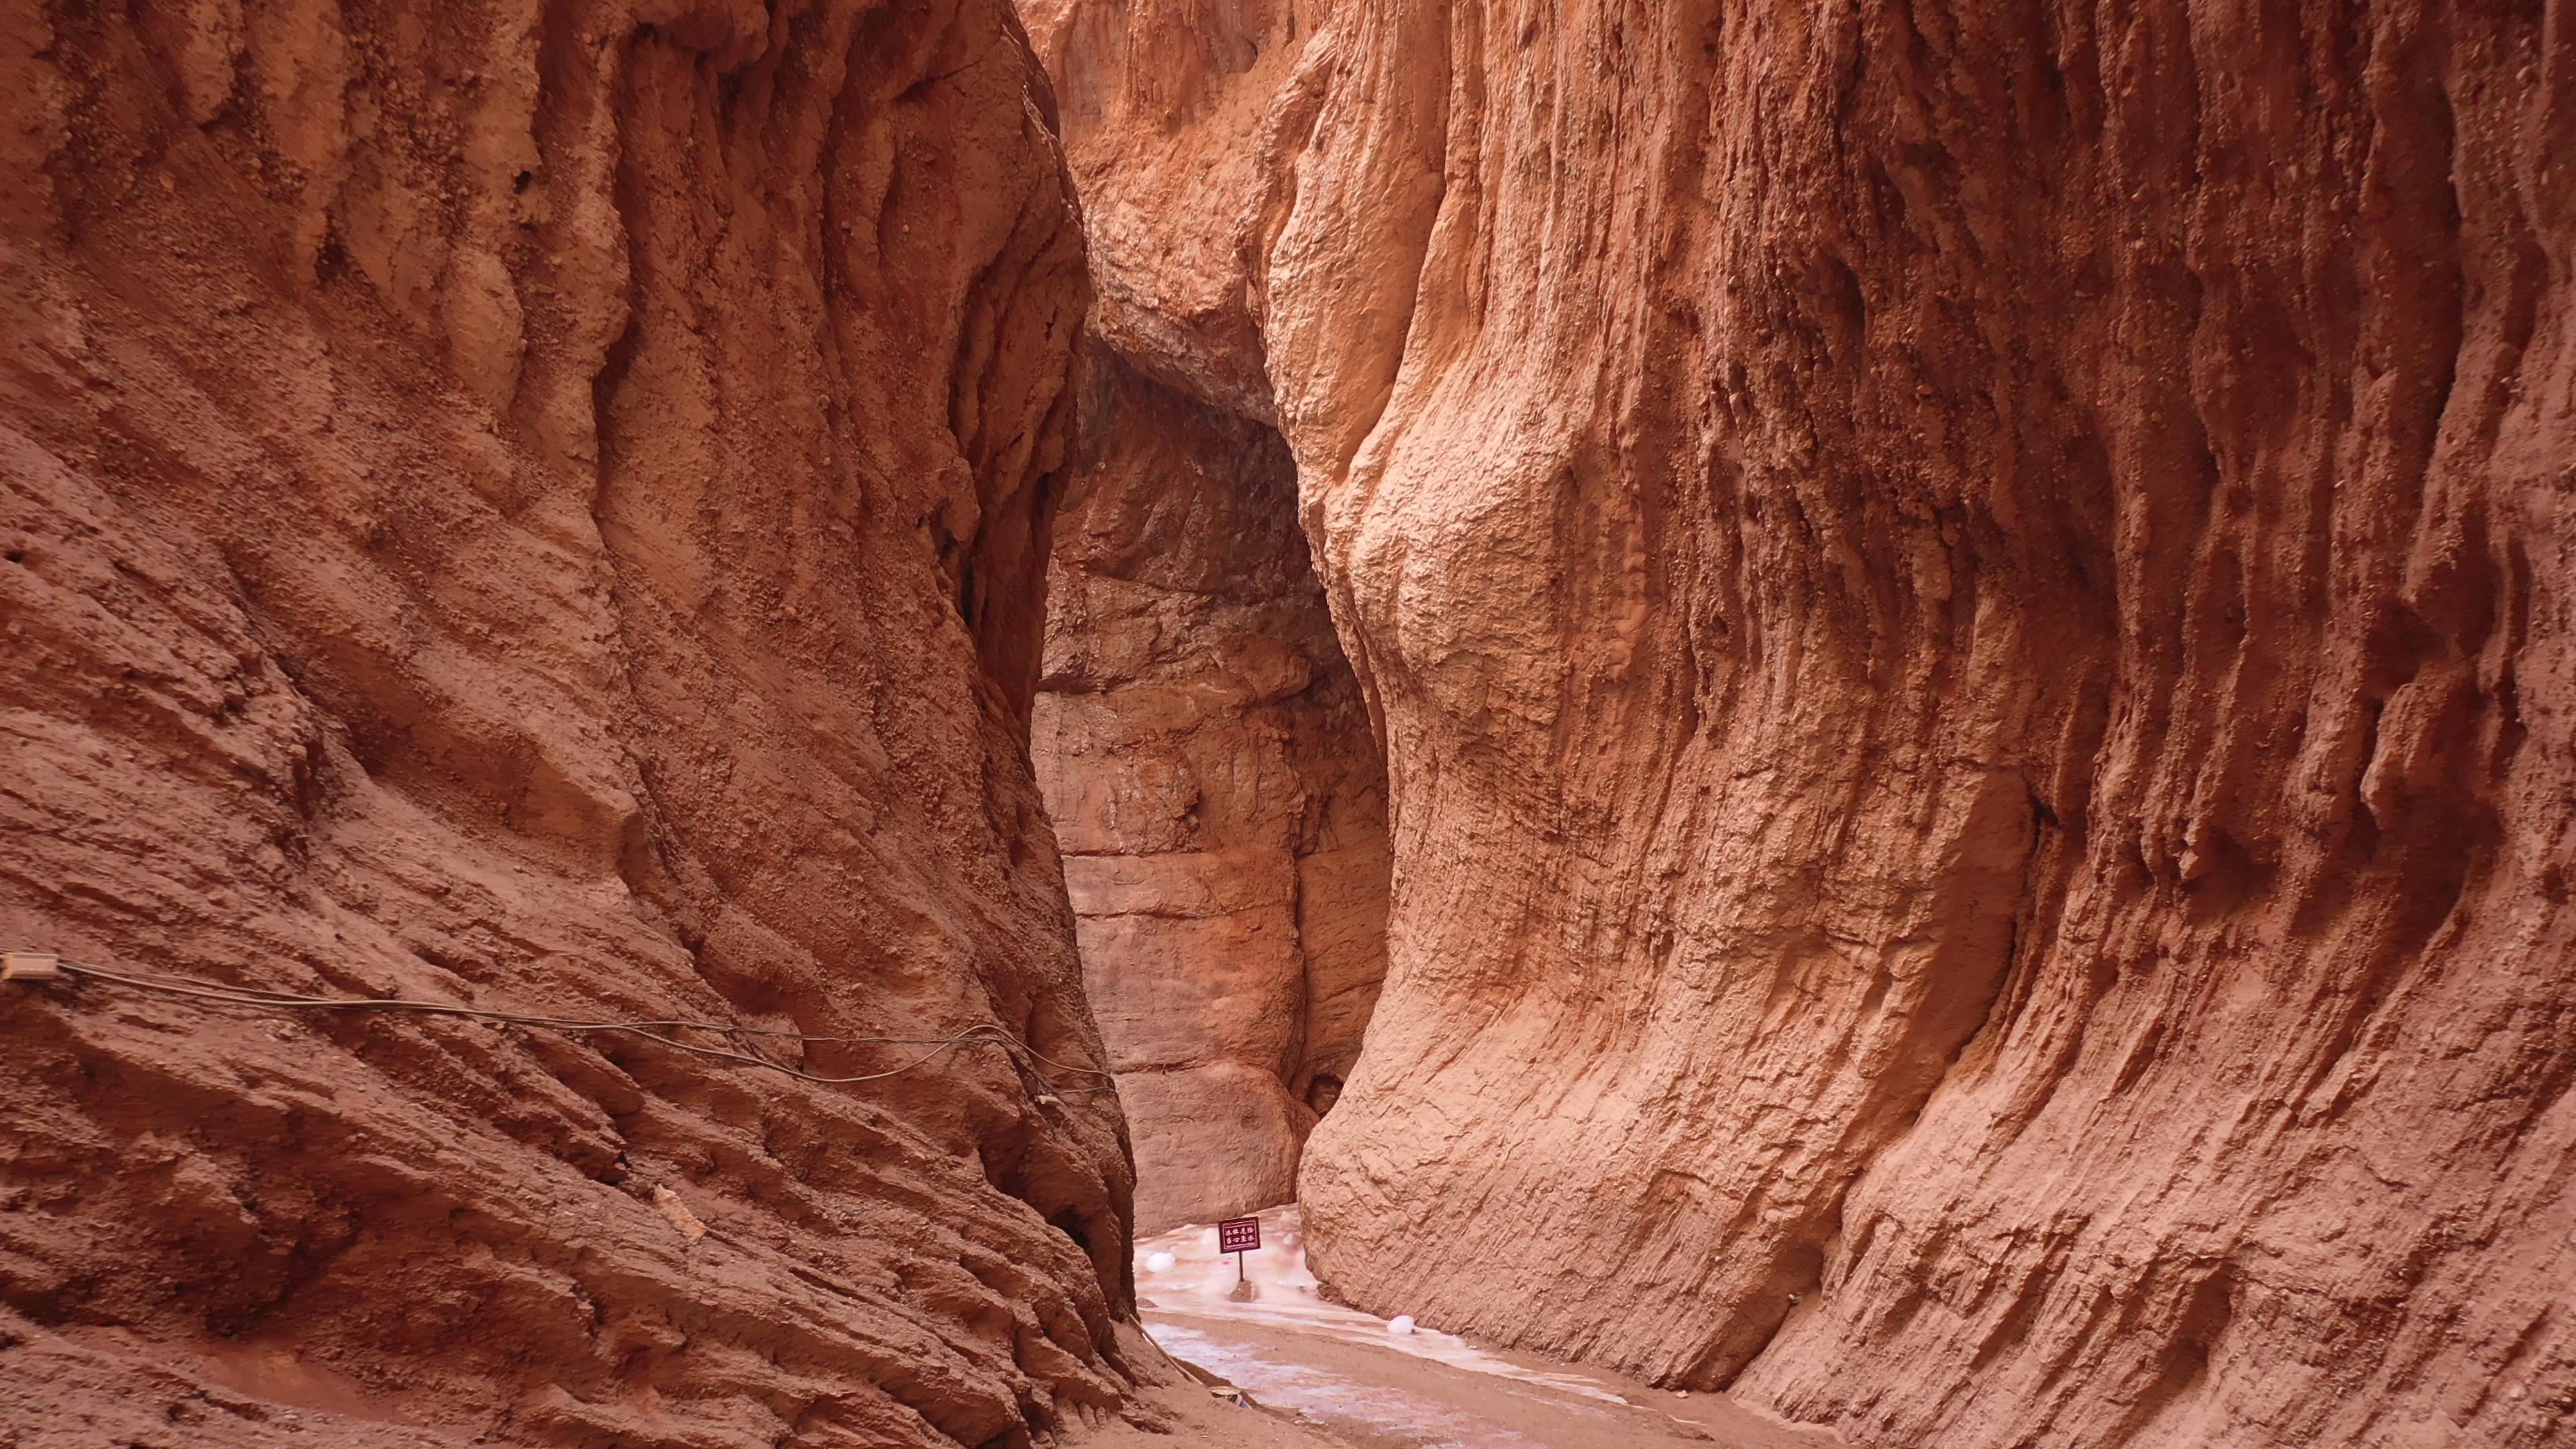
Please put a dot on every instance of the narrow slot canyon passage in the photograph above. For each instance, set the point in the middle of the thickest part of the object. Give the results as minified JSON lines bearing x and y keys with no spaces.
{"x":1845,"y":726}
{"x":1218,"y":797}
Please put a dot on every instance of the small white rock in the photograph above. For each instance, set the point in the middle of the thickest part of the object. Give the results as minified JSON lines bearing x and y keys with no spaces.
{"x":1400,"y":1323}
{"x":1159,"y":1262}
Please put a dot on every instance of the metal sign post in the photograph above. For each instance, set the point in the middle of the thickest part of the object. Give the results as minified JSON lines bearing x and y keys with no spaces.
{"x":1239,"y":1236}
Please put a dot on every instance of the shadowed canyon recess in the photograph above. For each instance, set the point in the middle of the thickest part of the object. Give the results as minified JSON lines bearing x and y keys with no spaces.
{"x":1872,"y":705}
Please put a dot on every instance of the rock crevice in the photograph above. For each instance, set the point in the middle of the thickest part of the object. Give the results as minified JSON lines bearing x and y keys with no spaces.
{"x":1215,"y":788}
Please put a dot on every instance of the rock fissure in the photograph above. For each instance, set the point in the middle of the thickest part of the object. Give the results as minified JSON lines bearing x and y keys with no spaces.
{"x":1216,"y":790}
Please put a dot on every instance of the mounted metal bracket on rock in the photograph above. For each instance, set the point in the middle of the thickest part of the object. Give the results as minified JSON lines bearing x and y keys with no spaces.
{"x":30,"y":966}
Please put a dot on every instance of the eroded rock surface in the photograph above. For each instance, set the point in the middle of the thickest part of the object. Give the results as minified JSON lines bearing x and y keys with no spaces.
{"x":1971,"y":614}
{"x":1207,"y":761}
{"x":1206,"y":752}
{"x":540,"y":506}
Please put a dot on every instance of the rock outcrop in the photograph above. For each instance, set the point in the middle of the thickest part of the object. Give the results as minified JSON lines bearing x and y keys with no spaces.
{"x":1206,"y":751}
{"x":1970,"y":609}
{"x":544,"y":507}
{"x":1217,"y":794}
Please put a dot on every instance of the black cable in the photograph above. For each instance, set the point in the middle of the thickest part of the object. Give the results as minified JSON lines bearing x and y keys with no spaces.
{"x":988,"y":1033}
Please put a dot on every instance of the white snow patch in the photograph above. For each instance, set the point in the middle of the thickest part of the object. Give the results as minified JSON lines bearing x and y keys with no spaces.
{"x":1200,"y":1278}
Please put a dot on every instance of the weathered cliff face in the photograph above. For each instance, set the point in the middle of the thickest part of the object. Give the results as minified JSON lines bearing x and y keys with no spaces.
{"x":1208,"y":765}
{"x":538,"y":506}
{"x":1169,"y":111}
{"x":1205,"y":750}
{"x":1970,"y":611}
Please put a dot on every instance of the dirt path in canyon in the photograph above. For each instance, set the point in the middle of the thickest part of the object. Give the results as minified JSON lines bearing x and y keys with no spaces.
{"x":1352,"y":1379}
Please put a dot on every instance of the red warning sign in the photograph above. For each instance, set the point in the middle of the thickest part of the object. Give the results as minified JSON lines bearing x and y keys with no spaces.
{"x":1239,"y":1235}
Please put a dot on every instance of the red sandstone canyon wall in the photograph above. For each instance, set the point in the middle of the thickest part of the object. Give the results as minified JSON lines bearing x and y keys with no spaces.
{"x":540,"y":506}
{"x":1206,"y":753}
{"x":1970,"y":611}
{"x":1207,"y":762}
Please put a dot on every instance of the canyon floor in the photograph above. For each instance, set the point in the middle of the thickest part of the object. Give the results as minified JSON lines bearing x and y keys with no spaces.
{"x":1320,"y":1374}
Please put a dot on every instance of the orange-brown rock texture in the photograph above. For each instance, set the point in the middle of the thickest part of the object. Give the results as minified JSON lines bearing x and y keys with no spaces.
{"x":1206,"y":751}
{"x":1208,"y":765}
{"x":541,"y":506}
{"x":1970,"y":611}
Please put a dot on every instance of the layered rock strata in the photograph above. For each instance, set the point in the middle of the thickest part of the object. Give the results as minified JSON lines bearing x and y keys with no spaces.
{"x":1970,"y":609}
{"x":1208,"y":764}
{"x":541,"y":507}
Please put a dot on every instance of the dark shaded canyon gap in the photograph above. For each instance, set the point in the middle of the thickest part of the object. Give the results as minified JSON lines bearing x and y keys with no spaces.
{"x":541,"y":506}
{"x":1206,"y":751}
{"x":1207,"y":760}
{"x":1970,"y":608}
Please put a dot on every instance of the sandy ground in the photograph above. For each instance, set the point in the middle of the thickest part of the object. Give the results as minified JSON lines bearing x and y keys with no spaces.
{"x":1202,"y":1421}
{"x":1323,"y":1375}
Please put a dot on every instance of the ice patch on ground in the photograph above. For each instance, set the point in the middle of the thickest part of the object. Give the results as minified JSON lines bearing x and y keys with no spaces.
{"x":1199,"y":1279}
